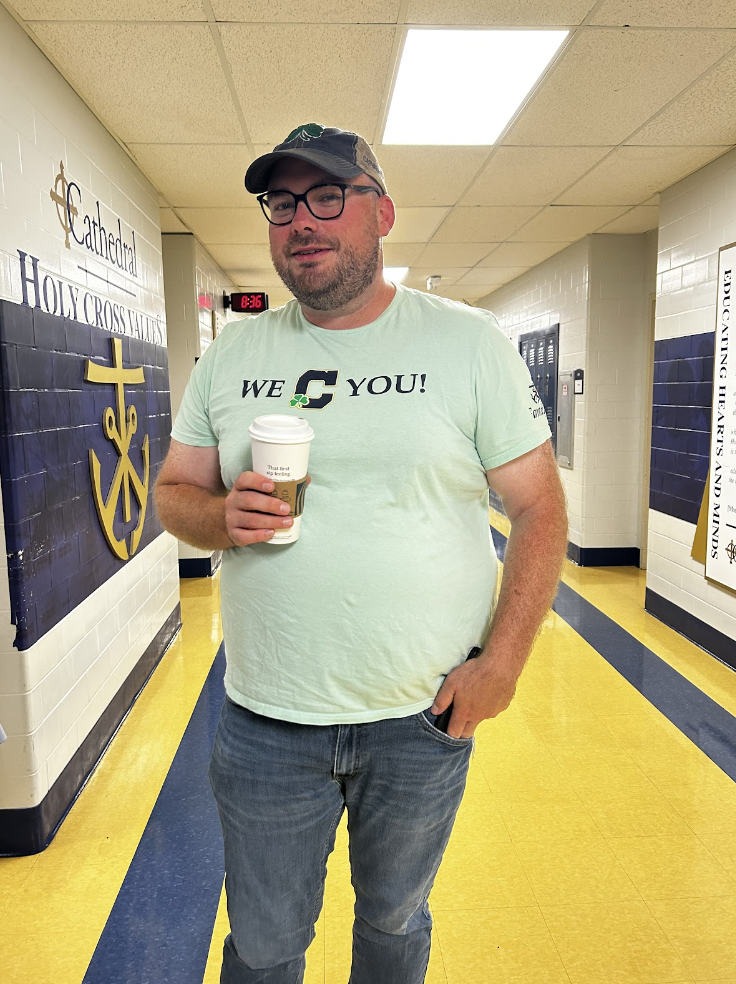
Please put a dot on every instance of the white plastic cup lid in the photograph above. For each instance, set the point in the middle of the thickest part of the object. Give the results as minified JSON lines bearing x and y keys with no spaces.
{"x":279,"y":428}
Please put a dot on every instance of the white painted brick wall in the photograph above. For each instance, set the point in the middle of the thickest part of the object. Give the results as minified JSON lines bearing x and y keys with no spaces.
{"x":211,"y":282}
{"x":597,"y":290}
{"x":621,"y":282}
{"x":52,"y":694}
{"x":191,"y":273}
{"x":555,"y":291}
{"x":697,"y":217}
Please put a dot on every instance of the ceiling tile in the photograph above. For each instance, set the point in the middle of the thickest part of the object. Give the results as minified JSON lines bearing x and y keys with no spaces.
{"x":558,"y":222}
{"x":197,"y":175}
{"x":332,"y":74}
{"x":697,"y":116}
{"x":170,"y":221}
{"x":417,"y":276}
{"x":547,"y":171}
{"x":467,"y":294}
{"x":307,"y":11}
{"x":167,"y":84}
{"x":520,"y":13}
{"x":110,"y":10}
{"x":482,"y":225}
{"x":666,"y":13}
{"x":643,"y":218}
{"x":258,"y":279}
{"x":401,"y":254}
{"x":429,"y":175}
{"x":226,"y":226}
{"x":241,"y":257}
{"x":454,"y":254}
{"x":521,"y":254}
{"x":491,"y":276}
{"x":416,"y":225}
{"x":609,"y":82}
{"x":632,"y":174}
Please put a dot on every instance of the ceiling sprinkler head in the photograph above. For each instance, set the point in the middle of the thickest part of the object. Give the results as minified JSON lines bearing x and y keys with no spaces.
{"x":433,"y":281}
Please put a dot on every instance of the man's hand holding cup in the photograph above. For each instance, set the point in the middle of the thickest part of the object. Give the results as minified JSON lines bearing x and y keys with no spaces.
{"x":252,"y":514}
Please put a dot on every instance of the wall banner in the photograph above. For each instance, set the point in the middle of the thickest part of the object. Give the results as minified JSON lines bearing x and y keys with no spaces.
{"x":85,"y":418}
{"x":720,"y":564}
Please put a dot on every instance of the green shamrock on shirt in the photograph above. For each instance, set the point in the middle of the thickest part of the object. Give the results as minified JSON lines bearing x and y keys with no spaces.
{"x":299,"y":400}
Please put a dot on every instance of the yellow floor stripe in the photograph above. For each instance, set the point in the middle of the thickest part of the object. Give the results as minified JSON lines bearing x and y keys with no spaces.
{"x":594,"y":844}
{"x":579,"y":811}
{"x":574,"y":846}
{"x":619,"y":593}
{"x":58,"y":901}
{"x":219,"y":932}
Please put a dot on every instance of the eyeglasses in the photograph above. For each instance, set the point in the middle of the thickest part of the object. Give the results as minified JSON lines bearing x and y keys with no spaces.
{"x":324,"y":201}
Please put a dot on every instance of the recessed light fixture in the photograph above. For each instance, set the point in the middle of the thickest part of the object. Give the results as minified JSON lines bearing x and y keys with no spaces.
{"x":462,"y":87}
{"x":395,"y":274}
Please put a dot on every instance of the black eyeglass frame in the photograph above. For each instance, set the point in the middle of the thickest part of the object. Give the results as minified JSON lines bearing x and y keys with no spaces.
{"x":303,"y":198}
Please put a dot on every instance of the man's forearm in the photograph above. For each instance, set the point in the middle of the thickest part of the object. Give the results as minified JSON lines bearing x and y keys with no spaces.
{"x":194,"y":515}
{"x":534,"y":554}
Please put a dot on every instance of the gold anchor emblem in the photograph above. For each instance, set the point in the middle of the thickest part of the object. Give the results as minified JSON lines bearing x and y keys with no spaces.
{"x":731,"y":551}
{"x":63,"y":207}
{"x":125,"y":474}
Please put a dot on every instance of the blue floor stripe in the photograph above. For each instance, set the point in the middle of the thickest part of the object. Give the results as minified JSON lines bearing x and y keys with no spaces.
{"x":697,"y":715}
{"x":160,"y":928}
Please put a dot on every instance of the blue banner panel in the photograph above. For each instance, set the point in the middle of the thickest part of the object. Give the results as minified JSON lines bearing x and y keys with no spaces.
{"x":85,"y":419}
{"x":683,"y":396}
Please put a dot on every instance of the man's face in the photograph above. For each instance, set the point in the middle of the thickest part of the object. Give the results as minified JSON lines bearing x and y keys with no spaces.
{"x":327,"y":263}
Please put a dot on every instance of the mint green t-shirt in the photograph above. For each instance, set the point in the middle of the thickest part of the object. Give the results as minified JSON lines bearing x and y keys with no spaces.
{"x":392,"y":579}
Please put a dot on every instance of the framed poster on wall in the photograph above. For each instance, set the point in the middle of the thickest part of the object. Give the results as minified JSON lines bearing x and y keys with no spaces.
{"x":720,"y":561}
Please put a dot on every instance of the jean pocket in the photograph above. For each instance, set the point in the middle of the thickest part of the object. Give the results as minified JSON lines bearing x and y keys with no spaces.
{"x":427,"y":719}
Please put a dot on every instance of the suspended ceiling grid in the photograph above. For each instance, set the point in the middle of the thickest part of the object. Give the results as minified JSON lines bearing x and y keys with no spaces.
{"x":640,"y":96}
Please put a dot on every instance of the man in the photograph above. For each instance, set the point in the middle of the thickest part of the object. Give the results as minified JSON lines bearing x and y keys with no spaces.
{"x":345,"y":646}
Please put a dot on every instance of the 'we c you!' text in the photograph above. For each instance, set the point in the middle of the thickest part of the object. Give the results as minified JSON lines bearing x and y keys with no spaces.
{"x":376,"y":386}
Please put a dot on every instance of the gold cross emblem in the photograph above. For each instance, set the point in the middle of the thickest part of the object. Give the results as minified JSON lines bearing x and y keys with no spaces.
{"x":63,"y":208}
{"x":120,"y":432}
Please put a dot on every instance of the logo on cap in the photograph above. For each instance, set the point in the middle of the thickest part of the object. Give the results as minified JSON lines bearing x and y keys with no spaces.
{"x":308,"y":131}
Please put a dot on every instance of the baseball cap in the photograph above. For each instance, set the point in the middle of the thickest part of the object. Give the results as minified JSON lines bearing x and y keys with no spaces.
{"x":341,"y":152}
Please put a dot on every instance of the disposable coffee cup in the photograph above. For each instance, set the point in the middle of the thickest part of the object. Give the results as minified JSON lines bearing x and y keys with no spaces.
{"x":280,"y":445}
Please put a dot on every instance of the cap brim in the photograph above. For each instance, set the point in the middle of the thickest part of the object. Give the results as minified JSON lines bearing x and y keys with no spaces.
{"x":257,"y":175}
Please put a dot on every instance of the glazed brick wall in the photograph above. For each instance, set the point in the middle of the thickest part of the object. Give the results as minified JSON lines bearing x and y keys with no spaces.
{"x":683,"y":396}
{"x":51,"y":419}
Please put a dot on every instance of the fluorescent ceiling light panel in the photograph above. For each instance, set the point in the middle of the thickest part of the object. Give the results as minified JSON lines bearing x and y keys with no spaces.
{"x":462,"y":87}
{"x":395,"y":274}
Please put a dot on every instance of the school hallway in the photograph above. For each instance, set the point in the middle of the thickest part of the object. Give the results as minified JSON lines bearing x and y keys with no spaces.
{"x":596,"y":842}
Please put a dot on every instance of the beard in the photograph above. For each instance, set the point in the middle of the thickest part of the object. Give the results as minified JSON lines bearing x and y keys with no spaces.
{"x":353,"y":273}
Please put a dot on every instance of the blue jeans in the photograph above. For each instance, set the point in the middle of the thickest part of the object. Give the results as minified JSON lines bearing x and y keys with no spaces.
{"x":281,"y":789}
